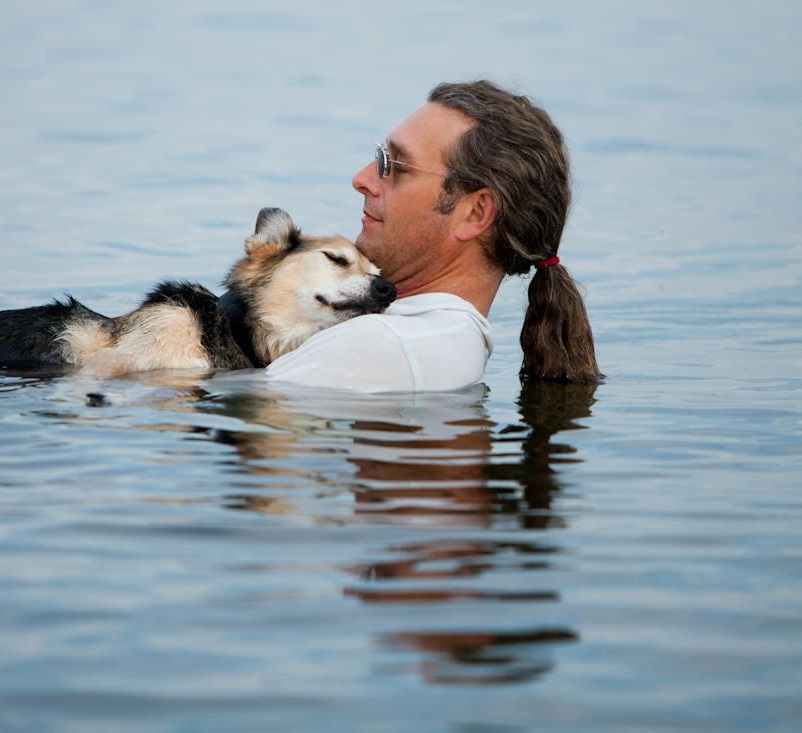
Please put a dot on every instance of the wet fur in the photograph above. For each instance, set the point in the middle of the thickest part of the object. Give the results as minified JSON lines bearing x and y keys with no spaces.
{"x":287,"y":287}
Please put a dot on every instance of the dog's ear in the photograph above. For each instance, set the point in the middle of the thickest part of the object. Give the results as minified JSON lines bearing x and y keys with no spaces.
{"x":274,"y":227}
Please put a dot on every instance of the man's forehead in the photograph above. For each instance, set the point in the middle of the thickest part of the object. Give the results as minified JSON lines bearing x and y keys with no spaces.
{"x":428,"y":131}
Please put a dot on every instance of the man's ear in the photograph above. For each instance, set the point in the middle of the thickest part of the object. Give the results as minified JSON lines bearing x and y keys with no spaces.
{"x":476,"y":213}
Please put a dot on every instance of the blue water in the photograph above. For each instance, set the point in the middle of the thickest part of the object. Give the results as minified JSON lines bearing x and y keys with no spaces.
{"x":205,"y":554}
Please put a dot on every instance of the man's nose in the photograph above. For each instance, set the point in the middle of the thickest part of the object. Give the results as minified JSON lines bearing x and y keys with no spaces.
{"x":366,"y":180}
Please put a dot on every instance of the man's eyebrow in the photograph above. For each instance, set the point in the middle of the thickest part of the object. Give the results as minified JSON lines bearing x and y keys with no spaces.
{"x":397,"y":149}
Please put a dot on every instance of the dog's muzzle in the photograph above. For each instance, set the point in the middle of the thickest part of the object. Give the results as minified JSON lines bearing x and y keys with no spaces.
{"x":382,"y":293}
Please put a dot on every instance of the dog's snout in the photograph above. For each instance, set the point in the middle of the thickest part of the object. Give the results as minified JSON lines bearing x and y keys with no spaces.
{"x":383,"y":291}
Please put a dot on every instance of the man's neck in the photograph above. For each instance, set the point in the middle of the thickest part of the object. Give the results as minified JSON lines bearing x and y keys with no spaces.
{"x":479,"y":291}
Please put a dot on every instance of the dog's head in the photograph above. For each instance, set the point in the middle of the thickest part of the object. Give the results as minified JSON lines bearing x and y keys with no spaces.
{"x":294,"y":285}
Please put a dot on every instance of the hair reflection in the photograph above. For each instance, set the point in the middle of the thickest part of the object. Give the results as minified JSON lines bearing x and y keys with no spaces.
{"x":546,"y":409}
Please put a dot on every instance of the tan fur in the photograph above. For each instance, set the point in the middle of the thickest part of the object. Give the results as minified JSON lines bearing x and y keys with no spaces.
{"x":82,"y":339}
{"x":156,"y":337}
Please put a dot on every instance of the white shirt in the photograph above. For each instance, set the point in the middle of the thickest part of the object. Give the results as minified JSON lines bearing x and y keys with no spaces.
{"x":422,"y":343}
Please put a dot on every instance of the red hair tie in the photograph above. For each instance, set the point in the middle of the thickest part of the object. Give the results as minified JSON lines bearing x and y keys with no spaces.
{"x":550,"y":262}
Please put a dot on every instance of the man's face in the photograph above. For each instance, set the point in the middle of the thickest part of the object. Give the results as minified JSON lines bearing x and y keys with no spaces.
{"x":401,"y":232}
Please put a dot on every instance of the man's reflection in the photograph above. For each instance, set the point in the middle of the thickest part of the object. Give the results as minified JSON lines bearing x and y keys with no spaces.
{"x":472,"y":472}
{"x":441,"y":463}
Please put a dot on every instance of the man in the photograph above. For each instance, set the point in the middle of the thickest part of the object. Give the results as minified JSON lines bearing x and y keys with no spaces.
{"x":472,"y":186}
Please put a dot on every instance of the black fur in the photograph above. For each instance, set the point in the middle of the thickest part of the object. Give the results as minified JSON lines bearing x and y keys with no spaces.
{"x":29,"y":336}
{"x":235,"y":309}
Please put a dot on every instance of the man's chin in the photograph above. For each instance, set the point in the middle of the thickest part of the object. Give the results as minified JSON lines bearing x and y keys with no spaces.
{"x":364,"y":244}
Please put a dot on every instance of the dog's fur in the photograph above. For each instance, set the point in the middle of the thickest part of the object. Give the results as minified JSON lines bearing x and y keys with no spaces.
{"x":287,"y":287}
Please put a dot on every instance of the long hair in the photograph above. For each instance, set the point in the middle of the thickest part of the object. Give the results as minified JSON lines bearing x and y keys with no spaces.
{"x":515,"y":150}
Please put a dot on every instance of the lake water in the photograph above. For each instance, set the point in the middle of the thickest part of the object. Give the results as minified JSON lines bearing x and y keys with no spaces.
{"x":205,"y":554}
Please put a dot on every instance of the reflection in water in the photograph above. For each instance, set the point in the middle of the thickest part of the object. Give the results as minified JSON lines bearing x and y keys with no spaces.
{"x":484,"y":493}
{"x":445,"y":560}
{"x":481,"y":658}
{"x":464,"y":472}
{"x":439,"y":462}
{"x":546,"y":409}
{"x":435,"y":475}
{"x":479,"y":476}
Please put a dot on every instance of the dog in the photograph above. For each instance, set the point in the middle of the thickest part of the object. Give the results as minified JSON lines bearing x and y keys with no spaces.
{"x":286,"y":288}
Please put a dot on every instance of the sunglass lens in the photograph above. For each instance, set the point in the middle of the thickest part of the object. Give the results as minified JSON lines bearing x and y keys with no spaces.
{"x":382,"y":161}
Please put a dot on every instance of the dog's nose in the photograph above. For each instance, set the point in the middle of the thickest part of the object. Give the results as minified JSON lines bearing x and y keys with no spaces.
{"x":383,"y":291}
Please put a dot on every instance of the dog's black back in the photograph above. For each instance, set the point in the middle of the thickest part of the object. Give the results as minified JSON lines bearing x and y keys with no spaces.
{"x":29,"y":337}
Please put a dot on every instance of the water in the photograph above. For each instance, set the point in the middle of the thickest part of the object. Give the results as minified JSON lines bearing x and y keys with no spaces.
{"x":194,"y":554}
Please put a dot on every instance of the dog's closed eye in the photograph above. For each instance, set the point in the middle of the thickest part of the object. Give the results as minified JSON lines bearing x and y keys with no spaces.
{"x":338,"y":260}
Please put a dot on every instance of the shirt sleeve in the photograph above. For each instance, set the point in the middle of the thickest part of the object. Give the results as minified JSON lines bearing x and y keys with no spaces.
{"x":363,"y":354}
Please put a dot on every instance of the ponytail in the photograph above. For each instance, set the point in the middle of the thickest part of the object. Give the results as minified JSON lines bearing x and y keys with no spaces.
{"x":556,"y":337}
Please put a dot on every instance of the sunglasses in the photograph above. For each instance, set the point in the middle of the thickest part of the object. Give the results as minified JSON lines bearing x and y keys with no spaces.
{"x":384,"y":163}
